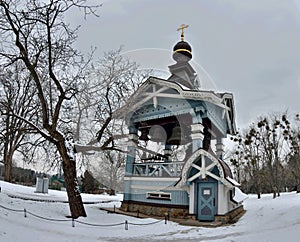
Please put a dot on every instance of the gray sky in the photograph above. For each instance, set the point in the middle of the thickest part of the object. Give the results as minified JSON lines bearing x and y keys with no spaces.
{"x":248,"y":47}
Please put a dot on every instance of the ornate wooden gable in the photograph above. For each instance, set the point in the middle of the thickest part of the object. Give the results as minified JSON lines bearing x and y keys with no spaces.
{"x":158,"y":98}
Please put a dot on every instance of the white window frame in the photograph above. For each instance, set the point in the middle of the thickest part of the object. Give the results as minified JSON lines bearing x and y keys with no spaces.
{"x":159,"y":195}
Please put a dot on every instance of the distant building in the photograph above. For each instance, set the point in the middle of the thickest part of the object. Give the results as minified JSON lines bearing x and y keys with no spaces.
{"x":174,"y":163}
{"x":57,"y":182}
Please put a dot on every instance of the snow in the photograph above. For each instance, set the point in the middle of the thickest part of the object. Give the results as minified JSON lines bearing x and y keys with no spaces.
{"x":239,"y":196}
{"x":266,"y":219}
{"x":232,"y":181}
{"x":70,"y":149}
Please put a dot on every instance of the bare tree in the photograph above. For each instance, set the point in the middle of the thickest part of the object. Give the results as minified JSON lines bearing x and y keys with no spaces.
{"x":16,"y":97}
{"x":236,"y":158}
{"x":273,"y":148}
{"x":34,"y":32}
{"x":69,"y":98}
{"x":264,"y":149}
{"x":253,"y":161}
{"x":110,"y":170}
{"x":292,"y":135}
{"x":109,"y":82}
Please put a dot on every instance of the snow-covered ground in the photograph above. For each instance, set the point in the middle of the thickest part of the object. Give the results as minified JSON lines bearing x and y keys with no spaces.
{"x":266,"y":219}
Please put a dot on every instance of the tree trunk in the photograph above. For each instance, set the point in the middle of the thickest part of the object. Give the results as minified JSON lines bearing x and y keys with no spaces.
{"x":8,"y":167}
{"x":257,"y":187}
{"x":7,"y":171}
{"x":69,"y":168}
{"x":298,"y":188}
{"x":275,"y":191}
{"x":258,"y":195}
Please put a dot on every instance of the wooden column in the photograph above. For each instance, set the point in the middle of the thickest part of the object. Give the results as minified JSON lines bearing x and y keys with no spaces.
{"x":130,"y":159}
{"x":220,"y":148}
{"x":197,"y":135}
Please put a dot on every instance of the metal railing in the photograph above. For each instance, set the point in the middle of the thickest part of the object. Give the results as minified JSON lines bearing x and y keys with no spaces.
{"x":25,"y":213}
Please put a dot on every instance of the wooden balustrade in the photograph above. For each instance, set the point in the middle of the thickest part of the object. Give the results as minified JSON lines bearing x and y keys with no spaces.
{"x":159,"y":169}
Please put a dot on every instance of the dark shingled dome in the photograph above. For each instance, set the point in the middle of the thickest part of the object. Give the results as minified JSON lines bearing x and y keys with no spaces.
{"x":182,"y":52}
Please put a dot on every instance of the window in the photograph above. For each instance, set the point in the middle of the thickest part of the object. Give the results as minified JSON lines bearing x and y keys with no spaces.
{"x":206,"y":192}
{"x":159,"y":195}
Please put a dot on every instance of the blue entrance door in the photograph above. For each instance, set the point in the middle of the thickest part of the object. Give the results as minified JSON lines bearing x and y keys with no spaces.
{"x":206,"y":201}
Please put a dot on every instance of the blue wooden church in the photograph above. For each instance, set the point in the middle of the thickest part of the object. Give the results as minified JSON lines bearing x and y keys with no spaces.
{"x":174,"y":163}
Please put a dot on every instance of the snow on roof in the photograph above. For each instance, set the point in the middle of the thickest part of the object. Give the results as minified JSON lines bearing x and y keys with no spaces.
{"x":239,"y":196}
{"x":232,"y":181}
{"x":183,"y":86}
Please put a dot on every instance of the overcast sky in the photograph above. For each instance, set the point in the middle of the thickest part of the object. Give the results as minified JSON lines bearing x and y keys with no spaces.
{"x":248,"y":47}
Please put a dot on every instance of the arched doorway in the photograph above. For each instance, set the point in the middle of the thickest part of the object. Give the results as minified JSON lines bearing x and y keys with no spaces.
{"x":204,"y":176}
{"x":202,"y":173}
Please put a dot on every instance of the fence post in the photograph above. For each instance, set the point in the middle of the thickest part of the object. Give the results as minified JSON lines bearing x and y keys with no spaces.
{"x":126,"y":225}
{"x":166,"y":217}
{"x":25,"y":215}
{"x":114,"y":208}
{"x":73,"y":222}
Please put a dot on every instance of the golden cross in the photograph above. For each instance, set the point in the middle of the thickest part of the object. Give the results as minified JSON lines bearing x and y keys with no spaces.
{"x":182,"y":27}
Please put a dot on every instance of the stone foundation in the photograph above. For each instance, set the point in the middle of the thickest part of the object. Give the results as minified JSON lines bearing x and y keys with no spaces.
{"x":178,"y":212}
{"x":157,"y":210}
{"x":232,"y":216}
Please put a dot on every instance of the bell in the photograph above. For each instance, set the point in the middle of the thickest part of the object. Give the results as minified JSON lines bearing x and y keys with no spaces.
{"x":176,"y":138}
{"x":144,"y":135}
{"x":157,"y":134}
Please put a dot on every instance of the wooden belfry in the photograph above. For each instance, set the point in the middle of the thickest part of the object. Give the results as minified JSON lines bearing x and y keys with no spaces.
{"x":174,"y":163}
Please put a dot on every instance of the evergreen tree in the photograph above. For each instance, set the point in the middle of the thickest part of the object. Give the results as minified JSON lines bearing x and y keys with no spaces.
{"x":89,"y":183}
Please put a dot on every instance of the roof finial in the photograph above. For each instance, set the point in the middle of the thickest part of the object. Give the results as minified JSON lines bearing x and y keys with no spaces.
{"x":182,"y":27}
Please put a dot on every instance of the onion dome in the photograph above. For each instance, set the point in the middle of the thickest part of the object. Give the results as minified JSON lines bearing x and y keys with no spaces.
{"x":182,"y":52}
